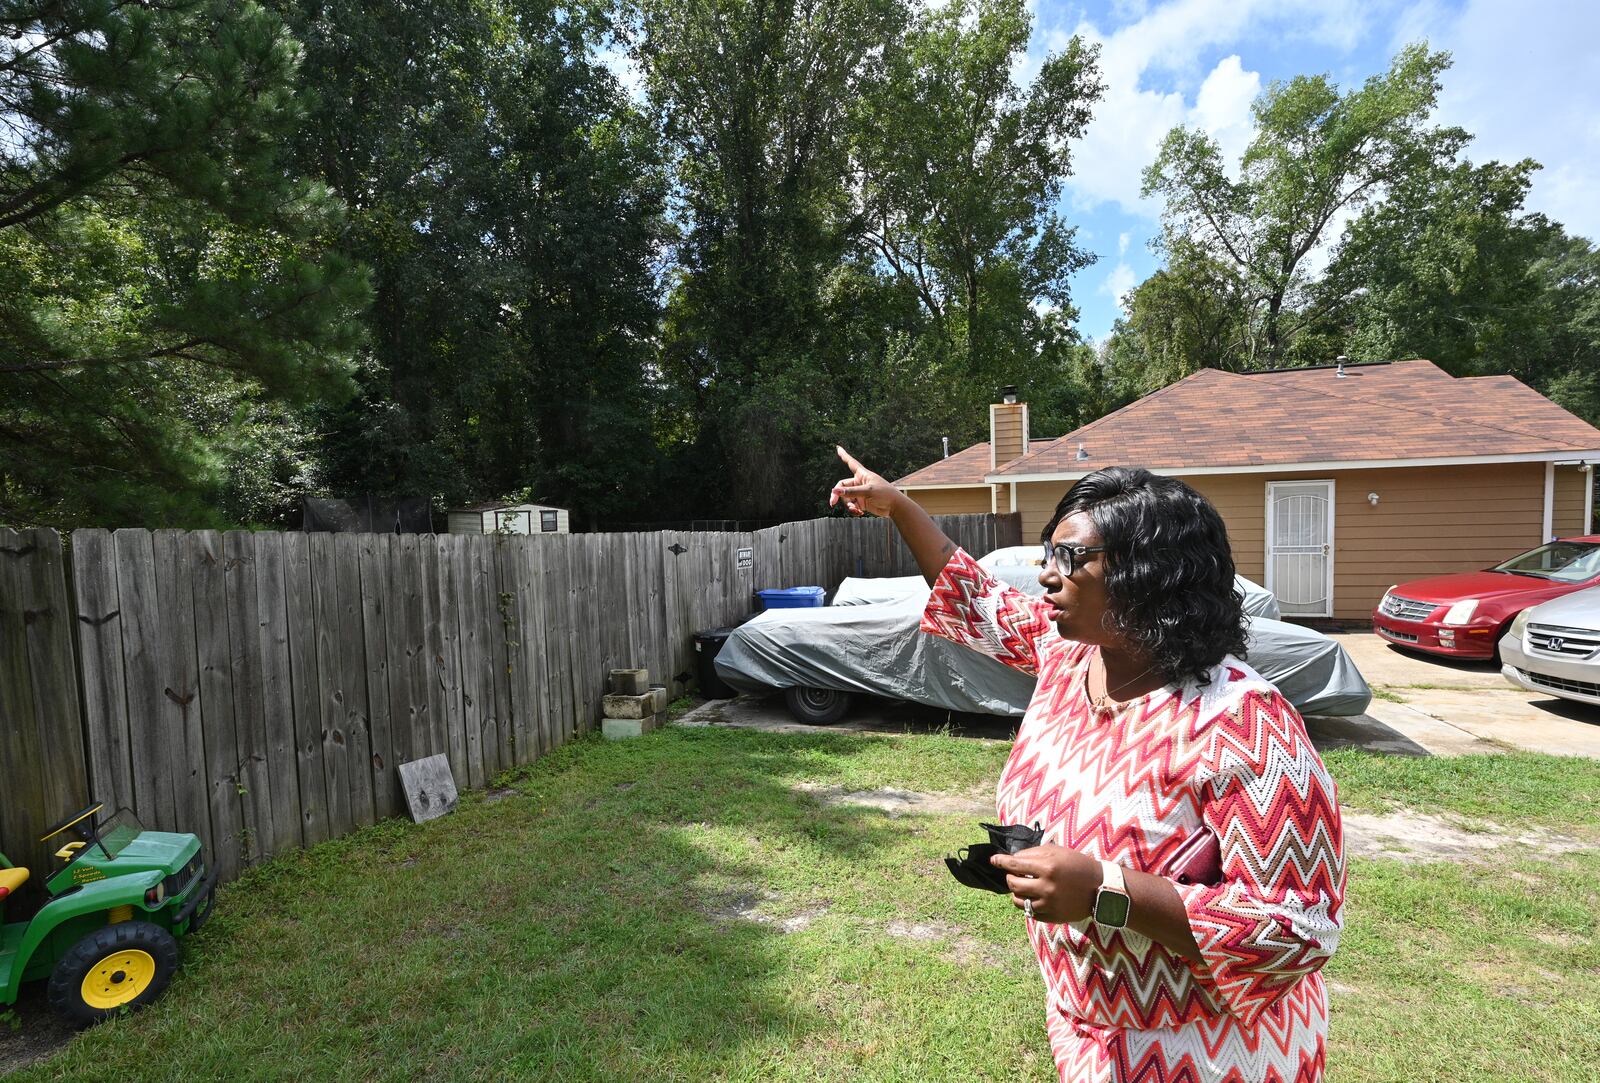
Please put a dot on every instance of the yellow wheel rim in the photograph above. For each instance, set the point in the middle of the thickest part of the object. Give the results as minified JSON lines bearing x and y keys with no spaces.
{"x":118,"y":979}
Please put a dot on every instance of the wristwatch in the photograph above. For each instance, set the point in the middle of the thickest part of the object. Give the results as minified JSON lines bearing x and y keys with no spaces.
{"x":1111,"y":902}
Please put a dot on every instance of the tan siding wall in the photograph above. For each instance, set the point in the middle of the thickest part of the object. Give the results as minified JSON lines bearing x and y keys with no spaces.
{"x":1569,"y":502}
{"x":1428,"y":521}
{"x":974,"y":501}
{"x":1037,"y":501}
{"x":1006,"y":434}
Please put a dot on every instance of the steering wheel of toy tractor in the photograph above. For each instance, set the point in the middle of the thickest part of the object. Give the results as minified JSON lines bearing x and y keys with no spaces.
{"x":73,"y":821}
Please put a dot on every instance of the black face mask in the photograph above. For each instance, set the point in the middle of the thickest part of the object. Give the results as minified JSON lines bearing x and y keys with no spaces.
{"x":972,"y":867}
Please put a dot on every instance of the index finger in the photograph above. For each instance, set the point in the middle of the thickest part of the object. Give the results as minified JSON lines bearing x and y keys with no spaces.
{"x":849,"y":460}
{"x":1019,"y":866}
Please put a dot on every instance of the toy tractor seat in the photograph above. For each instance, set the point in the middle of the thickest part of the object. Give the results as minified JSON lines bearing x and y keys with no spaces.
{"x":10,"y":880}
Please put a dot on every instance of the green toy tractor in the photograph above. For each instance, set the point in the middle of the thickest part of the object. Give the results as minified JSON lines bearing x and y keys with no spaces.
{"x":106,"y":936}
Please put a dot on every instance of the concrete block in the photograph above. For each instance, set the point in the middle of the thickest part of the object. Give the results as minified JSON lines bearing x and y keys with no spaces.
{"x":618,"y":729}
{"x":628,"y":706}
{"x":659,"y":693}
{"x":628,"y":682}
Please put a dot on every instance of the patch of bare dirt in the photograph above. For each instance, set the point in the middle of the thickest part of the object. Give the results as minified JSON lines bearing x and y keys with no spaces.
{"x":1408,"y":835}
{"x":38,"y":1032}
{"x":899,"y":802}
{"x":959,"y":947}
{"x":746,"y":906}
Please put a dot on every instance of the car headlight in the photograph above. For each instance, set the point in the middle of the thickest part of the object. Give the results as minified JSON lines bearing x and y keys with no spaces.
{"x":1520,"y":625}
{"x":1461,"y":612}
{"x":156,"y":895}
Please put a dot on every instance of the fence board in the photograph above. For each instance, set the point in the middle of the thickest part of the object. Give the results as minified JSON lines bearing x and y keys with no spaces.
{"x":305,"y":679}
{"x":181,"y":708}
{"x":245,"y":675}
{"x":373,"y":552}
{"x":208,"y":592}
{"x":277,"y":694}
{"x":439,"y":654}
{"x":105,"y":697}
{"x":471,"y":632}
{"x":48,"y":626}
{"x":330,"y":692}
{"x":27,"y":808}
{"x":142,"y":637}
{"x":356,"y":686}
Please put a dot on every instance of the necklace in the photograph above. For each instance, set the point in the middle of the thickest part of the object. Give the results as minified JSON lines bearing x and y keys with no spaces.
{"x":1102,"y":702}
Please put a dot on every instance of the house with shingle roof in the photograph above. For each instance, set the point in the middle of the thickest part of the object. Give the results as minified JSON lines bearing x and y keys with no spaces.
{"x":1335,"y":482}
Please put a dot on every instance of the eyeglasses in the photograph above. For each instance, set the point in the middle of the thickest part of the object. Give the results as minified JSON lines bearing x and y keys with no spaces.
{"x":1067,"y":559}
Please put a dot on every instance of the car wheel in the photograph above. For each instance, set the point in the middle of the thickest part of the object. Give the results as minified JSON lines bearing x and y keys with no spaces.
{"x":817,"y":706}
{"x":125,"y":965}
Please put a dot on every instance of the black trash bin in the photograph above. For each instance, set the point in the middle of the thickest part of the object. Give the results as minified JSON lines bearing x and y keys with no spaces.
{"x":707,"y":644}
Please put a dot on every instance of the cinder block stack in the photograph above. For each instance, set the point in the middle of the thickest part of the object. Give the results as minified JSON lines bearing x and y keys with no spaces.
{"x":632,"y":706}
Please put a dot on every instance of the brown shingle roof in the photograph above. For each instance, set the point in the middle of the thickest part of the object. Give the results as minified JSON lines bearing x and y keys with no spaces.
{"x":1402,"y":410}
{"x":966,"y":467}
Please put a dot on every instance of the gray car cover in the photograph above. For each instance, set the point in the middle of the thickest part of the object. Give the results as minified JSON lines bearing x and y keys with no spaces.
{"x":877,"y":648}
{"x":1258,"y":601}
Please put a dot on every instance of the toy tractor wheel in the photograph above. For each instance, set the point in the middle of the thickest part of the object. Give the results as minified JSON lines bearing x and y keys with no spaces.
{"x":126,"y":965}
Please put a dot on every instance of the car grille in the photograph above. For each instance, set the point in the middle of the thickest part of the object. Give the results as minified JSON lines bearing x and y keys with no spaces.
{"x":1406,"y":608}
{"x":1566,"y":642}
{"x":1403,"y":637}
{"x":1561,"y":684}
{"x":180,"y":881}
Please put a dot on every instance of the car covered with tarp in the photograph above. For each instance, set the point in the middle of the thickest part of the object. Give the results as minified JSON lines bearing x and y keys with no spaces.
{"x":869,"y":642}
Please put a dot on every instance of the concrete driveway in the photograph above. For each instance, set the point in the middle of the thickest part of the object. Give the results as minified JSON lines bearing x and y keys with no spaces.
{"x":1421,"y":706}
{"x":1449,"y":707}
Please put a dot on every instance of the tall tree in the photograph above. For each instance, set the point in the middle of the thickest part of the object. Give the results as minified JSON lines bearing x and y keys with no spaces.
{"x":960,"y":170}
{"x":510,"y":198}
{"x":1317,"y":155}
{"x":754,"y":99}
{"x":167,"y":296}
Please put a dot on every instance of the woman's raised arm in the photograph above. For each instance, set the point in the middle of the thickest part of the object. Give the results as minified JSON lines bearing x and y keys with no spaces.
{"x":866,"y":493}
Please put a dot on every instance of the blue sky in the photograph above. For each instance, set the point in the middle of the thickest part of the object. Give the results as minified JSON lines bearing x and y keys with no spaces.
{"x":1526,"y":82}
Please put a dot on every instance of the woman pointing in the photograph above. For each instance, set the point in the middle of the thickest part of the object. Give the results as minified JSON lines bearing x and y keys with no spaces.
{"x":1149,"y":736}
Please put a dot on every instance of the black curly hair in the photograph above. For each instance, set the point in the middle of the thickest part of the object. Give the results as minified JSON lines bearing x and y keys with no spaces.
{"x":1169,"y":570}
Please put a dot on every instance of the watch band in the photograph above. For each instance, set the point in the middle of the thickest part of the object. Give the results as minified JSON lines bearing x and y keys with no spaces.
{"x":1112,"y":903}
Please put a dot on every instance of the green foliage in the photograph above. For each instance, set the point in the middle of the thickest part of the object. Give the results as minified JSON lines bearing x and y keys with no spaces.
{"x":1438,"y":260}
{"x":1316,"y":154}
{"x":509,"y":199}
{"x":168,"y":298}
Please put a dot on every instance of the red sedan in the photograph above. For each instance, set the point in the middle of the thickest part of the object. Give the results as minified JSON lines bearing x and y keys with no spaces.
{"x":1464,"y":615}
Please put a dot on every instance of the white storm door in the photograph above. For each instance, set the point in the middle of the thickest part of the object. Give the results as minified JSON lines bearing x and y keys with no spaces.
{"x":1300,"y":547}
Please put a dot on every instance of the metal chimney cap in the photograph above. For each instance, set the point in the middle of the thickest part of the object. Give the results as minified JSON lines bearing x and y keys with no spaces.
{"x":1340,"y":374}
{"x":1008,"y":393}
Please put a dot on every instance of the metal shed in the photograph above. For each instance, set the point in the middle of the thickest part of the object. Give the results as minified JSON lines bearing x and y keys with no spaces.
{"x":504,"y":517}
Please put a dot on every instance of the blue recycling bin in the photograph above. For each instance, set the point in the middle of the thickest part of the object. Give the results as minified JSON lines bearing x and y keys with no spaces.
{"x":792,"y":598}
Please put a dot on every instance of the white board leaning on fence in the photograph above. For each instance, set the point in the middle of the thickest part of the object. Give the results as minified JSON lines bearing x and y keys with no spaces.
{"x":429,"y":787}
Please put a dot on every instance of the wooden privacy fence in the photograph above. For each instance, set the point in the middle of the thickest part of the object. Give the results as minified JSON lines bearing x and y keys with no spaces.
{"x":259,"y":689}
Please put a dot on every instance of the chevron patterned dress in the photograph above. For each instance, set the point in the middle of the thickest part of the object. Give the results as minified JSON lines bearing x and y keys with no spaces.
{"x":1130,"y":785}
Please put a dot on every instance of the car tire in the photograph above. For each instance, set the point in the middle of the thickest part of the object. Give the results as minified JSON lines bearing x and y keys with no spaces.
{"x":125,"y":965}
{"x":817,"y":706}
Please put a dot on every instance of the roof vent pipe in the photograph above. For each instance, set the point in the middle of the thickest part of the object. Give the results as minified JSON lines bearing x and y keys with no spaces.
{"x":946,"y":440}
{"x":1339,"y":375}
{"x":1082,"y":454}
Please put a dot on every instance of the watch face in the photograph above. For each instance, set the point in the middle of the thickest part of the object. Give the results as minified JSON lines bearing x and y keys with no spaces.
{"x":1111,"y":909}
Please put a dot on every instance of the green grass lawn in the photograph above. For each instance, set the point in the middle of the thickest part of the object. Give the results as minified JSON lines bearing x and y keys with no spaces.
{"x":679,"y":908}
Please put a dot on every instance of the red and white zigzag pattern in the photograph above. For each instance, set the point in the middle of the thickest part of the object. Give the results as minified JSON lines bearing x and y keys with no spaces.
{"x":1131,"y":786}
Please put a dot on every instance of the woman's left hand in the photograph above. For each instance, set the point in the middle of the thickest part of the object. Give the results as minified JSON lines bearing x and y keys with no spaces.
{"x":1061,"y":882}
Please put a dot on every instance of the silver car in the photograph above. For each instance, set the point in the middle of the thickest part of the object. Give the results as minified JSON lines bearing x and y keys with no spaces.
{"x":1554,"y":648}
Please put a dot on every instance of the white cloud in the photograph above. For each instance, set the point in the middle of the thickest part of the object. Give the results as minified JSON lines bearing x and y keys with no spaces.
{"x":1118,"y":283}
{"x":1524,"y":82}
{"x":1132,"y":118}
{"x":1122,"y":244}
